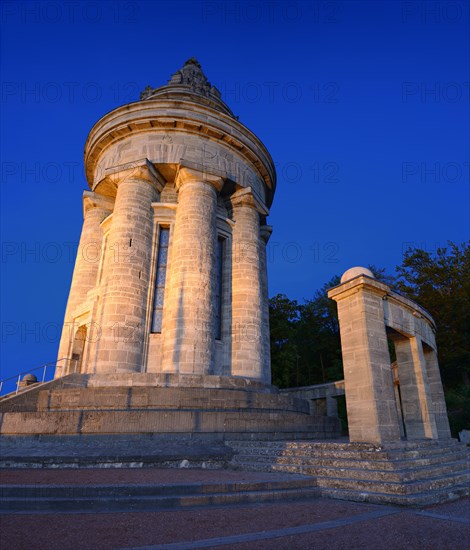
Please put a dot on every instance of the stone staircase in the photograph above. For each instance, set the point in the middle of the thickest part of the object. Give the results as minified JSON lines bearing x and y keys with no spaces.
{"x":405,"y":473}
{"x":151,"y":496}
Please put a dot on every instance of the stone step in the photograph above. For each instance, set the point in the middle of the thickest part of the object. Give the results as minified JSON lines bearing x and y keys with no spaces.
{"x":332,"y":450}
{"x":111,"y":461}
{"x":409,"y":488}
{"x":419,"y":499}
{"x":112,"y":451}
{"x":129,"y":497}
{"x":403,"y":472}
{"x":351,"y":447}
{"x":27,"y":397}
{"x":358,"y":472}
{"x":173,"y":489}
{"x":386,"y":465}
{"x":429,"y":491}
{"x":280,"y":437}
{"x":382,"y":475}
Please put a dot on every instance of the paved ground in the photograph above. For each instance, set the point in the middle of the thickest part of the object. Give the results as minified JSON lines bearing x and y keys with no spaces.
{"x":315,"y":523}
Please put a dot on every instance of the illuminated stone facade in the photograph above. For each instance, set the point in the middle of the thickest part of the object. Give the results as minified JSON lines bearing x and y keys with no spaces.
{"x":386,"y":404}
{"x":176,"y":165}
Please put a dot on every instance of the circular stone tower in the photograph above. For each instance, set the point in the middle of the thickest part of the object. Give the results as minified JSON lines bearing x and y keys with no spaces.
{"x":170,"y":275}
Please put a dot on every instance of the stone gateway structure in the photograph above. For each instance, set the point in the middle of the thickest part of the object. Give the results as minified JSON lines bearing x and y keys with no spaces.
{"x":383,"y":407}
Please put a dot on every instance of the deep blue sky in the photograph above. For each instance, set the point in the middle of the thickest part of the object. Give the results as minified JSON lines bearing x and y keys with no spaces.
{"x":359,"y":104}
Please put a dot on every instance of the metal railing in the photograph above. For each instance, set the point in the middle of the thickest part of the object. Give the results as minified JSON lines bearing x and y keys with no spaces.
{"x":69,"y":366}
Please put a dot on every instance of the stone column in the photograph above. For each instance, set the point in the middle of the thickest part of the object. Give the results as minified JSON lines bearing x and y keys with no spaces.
{"x":265,"y":232}
{"x":415,"y":393}
{"x":189,"y":312}
{"x":247,"y":291}
{"x":95,"y":209}
{"x":437,"y":394}
{"x":331,"y":407}
{"x":370,"y":399}
{"x":126,"y":272}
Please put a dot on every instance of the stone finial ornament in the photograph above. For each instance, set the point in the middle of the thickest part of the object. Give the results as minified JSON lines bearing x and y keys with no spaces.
{"x":189,"y":76}
{"x":192,"y":75}
{"x":146,"y":92}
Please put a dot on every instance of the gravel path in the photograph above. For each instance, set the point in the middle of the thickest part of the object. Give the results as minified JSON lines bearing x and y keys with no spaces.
{"x":317,"y":523}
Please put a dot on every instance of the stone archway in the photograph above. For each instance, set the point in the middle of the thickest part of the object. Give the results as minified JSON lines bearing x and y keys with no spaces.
{"x":370,"y":313}
{"x":78,"y":349}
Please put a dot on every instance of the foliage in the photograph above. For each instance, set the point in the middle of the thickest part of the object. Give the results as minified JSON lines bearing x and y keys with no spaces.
{"x":305,"y":345}
{"x":441,"y":284}
{"x":283,"y":317}
{"x":458,"y":408}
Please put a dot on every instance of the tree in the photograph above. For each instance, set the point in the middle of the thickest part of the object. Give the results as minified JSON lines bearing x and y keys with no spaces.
{"x":305,"y":344}
{"x":441,"y":284}
{"x":283,"y":316}
{"x":318,"y":338}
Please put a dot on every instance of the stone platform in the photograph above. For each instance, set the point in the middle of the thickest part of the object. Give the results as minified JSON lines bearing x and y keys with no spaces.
{"x":116,"y":451}
{"x":405,"y":473}
{"x":160,"y":404}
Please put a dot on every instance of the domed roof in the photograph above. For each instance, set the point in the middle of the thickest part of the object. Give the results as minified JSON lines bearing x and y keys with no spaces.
{"x":355,"y":272}
{"x":189,"y":82}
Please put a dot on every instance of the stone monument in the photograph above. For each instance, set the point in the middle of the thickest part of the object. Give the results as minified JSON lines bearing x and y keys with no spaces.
{"x":170,"y":275}
{"x":166,"y":328}
{"x":164,"y":356}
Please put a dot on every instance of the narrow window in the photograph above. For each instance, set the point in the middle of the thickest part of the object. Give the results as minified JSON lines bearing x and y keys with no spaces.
{"x":162,"y":259}
{"x":218,"y":287}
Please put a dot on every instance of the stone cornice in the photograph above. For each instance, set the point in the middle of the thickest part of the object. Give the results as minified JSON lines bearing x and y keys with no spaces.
{"x":266,"y":232}
{"x":248,"y":197}
{"x":82,"y":310}
{"x":191,"y":171}
{"x":224,"y":225}
{"x":416,"y":310}
{"x":362,"y":282}
{"x":141,"y":169}
{"x":95,"y":200}
{"x":164,"y":211}
{"x":182,"y":116}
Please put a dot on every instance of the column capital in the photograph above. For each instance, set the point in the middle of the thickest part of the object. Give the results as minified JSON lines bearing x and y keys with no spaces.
{"x":94,"y":200}
{"x":248,"y":197}
{"x":141,"y":169}
{"x":265,"y":232}
{"x":194,"y":172}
